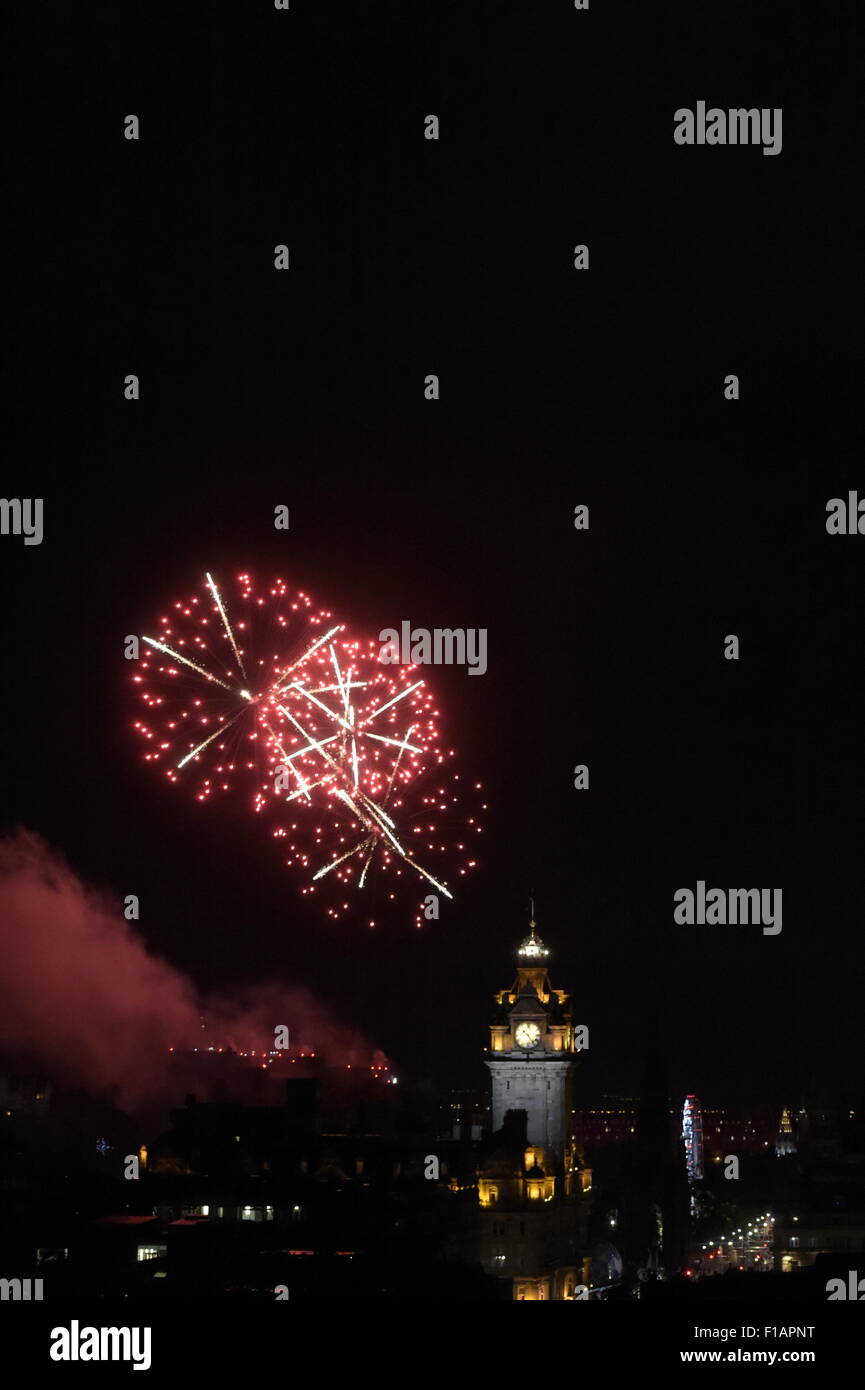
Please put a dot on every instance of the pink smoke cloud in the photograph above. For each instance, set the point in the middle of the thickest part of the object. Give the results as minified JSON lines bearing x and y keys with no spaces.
{"x":81,"y":995}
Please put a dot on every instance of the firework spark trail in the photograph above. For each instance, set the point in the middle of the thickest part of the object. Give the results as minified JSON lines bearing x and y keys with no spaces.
{"x":384,"y":821}
{"x":401,"y":696}
{"x":317,"y":744}
{"x":435,"y":883}
{"x":350,"y":685}
{"x":282,"y":682}
{"x":340,"y":685}
{"x":224,"y":617}
{"x":382,"y":818}
{"x":299,"y":752}
{"x":349,"y":712}
{"x":350,"y":723}
{"x":306,"y":788}
{"x":360,"y":813}
{"x":334,"y":863}
{"x":307,"y":694}
{"x":209,"y":739}
{"x":208,"y":675}
{"x":378,"y":814}
{"x":354,"y":751}
{"x":383,"y":738}
{"x":396,"y":764}
{"x":362,"y":879}
{"x":286,"y":758}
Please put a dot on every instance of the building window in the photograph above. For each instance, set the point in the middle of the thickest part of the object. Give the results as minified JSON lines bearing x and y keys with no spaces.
{"x":50,"y":1254}
{"x":152,"y":1252}
{"x":256,"y":1213}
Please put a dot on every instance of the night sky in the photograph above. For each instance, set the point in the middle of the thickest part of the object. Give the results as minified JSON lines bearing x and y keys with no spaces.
{"x":455,"y":257}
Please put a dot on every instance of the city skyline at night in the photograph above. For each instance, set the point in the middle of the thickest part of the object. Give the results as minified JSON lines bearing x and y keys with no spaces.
{"x":432,"y":556}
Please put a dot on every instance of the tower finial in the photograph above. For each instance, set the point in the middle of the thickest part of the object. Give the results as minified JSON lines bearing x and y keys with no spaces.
{"x":532,"y":946}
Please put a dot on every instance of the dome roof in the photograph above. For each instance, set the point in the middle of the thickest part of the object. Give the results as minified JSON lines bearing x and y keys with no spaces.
{"x":532,"y":948}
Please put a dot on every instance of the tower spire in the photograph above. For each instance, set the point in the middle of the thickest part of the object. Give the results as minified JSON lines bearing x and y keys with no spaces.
{"x":532,"y":946}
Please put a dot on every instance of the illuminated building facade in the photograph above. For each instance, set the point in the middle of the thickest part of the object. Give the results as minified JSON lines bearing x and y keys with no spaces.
{"x":731,"y":1131}
{"x":692,"y":1133}
{"x":785,"y":1140}
{"x":533,"y":1051}
{"x":532,"y":1181}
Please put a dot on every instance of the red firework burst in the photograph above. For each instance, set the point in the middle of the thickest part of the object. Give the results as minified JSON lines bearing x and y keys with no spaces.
{"x":257,"y":686}
{"x":358,"y":759}
{"x":205,"y":670}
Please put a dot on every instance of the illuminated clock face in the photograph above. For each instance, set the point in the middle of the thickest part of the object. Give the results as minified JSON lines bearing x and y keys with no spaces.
{"x":527,"y":1034}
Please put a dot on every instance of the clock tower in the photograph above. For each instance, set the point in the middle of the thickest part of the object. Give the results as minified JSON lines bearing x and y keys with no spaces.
{"x":532,"y":1054}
